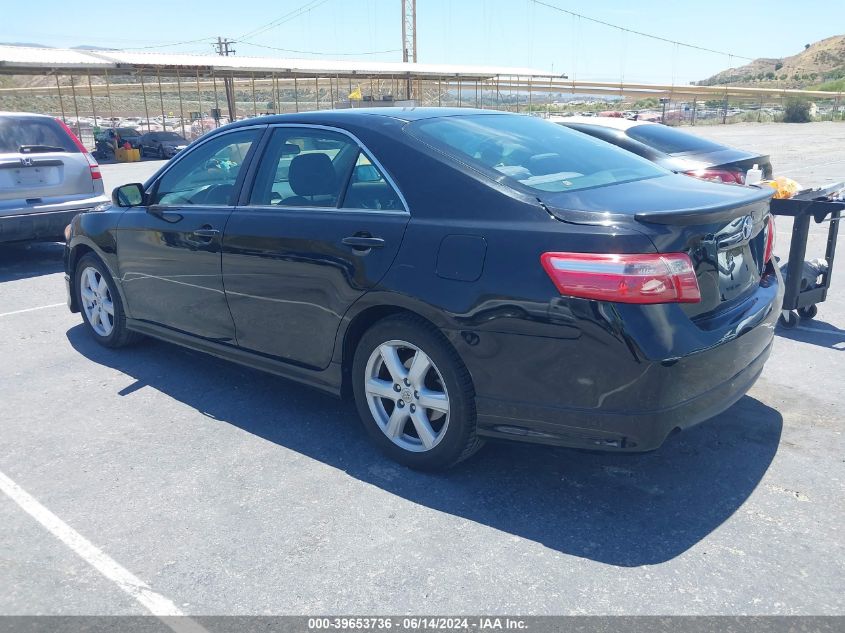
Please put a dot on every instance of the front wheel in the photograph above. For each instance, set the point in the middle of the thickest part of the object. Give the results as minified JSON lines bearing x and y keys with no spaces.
{"x":100,"y":304}
{"x":414,"y":394}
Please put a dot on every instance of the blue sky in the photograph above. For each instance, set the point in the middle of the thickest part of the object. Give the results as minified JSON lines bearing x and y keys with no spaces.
{"x":496,"y":32}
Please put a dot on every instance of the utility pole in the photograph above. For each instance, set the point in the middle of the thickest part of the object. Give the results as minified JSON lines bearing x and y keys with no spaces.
{"x":224,"y":48}
{"x":409,"y":38}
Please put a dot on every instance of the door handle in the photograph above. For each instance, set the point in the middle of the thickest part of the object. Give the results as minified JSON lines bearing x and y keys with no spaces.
{"x":363,"y":242}
{"x":206,"y":232}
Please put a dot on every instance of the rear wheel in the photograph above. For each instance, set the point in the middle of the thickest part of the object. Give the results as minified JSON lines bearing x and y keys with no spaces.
{"x":414,"y":395}
{"x":809,"y":312}
{"x":100,"y":304}
{"x":788,"y":319}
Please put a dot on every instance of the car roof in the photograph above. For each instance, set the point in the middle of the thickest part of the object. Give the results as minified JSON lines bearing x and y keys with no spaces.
{"x":611,"y":122}
{"x":28,"y":114}
{"x":362,"y":115}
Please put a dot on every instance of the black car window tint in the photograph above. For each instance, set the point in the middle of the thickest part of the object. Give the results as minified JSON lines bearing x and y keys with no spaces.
{"x":207,"y":174}
{"x":304,"y":167}
{"x":530,"y":153}
{"x":17,"y":132}
{"x":369,"y":189}
{"x":671,"y":141}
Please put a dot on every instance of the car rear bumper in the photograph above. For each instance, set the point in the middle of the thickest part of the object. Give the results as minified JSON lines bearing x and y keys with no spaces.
{"x":37,"y":226}
{"x":603,"y":388}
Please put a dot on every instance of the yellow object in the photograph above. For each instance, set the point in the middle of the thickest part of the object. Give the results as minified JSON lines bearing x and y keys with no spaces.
{"x":784,"y":187}
{"x":127,"y":155}
{"x":356,"y":94}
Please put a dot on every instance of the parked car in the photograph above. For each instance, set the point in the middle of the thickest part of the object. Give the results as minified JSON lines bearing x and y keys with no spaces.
{"x":162,"y":144}
{"x":674,"y":149}
{"x":464,"y":274}
{"x":46,"y":177}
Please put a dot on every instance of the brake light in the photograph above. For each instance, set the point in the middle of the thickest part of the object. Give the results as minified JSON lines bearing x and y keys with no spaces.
{"x":92,"y":162}
{"x":771,"y":234}
{"x":646,"y":278}
{"x":718,"y":175}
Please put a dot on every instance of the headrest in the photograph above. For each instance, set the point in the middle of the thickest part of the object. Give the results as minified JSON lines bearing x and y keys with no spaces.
{"x":290,"y":149}
{"x":312,"y":175}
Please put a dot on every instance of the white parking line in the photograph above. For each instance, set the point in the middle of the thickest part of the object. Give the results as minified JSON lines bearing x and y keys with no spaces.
{"x":52,"y":305}
{"x":155,"y":603}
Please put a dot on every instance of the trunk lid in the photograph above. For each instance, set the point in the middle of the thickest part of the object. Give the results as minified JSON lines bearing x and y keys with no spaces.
{"x":721,"y":227}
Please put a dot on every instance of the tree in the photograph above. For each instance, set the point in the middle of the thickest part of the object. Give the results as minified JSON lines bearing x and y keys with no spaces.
{"x":778,"y":65}
{"x":806,"y":46}
{"x":797,"y":110}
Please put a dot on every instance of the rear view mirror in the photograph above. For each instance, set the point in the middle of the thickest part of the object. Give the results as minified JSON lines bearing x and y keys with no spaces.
{"x":131,"y":195}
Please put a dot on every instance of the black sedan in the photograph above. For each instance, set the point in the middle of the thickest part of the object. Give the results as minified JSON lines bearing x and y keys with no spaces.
{"x":674,"y":149}
{"x":162,"y":144}
{"x":463,"y":274}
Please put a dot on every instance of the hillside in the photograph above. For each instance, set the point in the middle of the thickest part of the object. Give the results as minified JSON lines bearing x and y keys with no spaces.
{"x":820,"y":62}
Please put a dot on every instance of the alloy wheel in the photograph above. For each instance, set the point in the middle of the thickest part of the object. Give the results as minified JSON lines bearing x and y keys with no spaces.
{"x":407,"y":396}
{"x":97,"y":301}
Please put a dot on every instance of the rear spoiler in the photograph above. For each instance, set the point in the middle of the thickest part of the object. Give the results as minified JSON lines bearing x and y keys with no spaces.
{"x":757,"y":209}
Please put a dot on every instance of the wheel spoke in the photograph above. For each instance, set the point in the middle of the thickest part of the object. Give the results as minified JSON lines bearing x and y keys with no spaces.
{"x":391,"y":361}
{"x":419,"y":368}
{"x":396,"y":423}
{"x":95,"y":317}
{"x":381,"y":388}
{"x":102,"y":287}
{"x":108,"y":306}
{"x":91,"y":277}
{"x":436,"y":400}
{"x":87,"y":295}
{"x":423,"y":427}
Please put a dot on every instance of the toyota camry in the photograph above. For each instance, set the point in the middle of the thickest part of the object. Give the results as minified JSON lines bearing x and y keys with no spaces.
{"x":462,"y":274}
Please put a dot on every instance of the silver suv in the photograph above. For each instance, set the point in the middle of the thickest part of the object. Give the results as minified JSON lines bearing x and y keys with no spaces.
{"x":46,"y":177}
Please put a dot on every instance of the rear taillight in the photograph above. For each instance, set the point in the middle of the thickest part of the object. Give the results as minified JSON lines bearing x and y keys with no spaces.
{"x":771,"y":234}
{"x":651,"y":278}
{"x":92,"y":162}
{"x":718,"y":175}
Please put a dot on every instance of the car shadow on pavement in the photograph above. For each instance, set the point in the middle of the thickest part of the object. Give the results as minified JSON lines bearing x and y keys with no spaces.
{"x":815,"y":333}
{"x":624,"y":510}
{"x":22,"y":260}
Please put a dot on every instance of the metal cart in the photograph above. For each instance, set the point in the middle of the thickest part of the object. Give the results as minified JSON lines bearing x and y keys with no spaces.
{"x":816,"y":204}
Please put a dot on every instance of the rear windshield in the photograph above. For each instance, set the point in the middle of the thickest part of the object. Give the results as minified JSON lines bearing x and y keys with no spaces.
{"x":20,"y":131}
{"x":533,"y":153}
{"x":169,"y":136}
{"x":671,"y":141}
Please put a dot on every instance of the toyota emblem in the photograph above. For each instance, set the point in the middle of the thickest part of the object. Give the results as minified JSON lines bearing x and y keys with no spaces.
{"x":747,"y":227}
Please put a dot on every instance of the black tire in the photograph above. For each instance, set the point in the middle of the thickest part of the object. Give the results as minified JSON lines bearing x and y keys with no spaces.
{"x":161,"y":152}
{"x":141,"y":151}
{"x":119,"y":336}
{"x":788,"y":320}
{"x":459,"y":440}
{"x":809,"y":312}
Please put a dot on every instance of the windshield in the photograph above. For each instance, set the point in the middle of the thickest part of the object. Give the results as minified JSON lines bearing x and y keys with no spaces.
{"x":532,"y":152}
{"x":671,"y":141}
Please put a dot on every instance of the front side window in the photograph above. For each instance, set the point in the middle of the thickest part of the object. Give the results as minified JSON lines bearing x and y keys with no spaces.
{"x":309,"y":167}
{"x":531,"y":153}
{"x":208,"y":173}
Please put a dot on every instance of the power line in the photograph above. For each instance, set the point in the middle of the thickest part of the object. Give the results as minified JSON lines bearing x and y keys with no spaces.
{"x":287,"y":17}
{"x":649,"y":35}
{"x":293,"y":50}
{"x":139,"y":48}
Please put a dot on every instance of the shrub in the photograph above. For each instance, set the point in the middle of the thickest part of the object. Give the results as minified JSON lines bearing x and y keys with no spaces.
{"x":796,"y":111}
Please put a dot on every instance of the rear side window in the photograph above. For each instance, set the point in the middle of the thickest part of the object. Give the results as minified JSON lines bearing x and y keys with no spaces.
{"x":532,"y":153}
{"x":20,"y":131}
{"x":307,"y":167}
{"x":671,"y":141}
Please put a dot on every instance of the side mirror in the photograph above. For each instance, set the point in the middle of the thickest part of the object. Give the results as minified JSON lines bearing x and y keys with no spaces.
{"x":131,"y":195}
